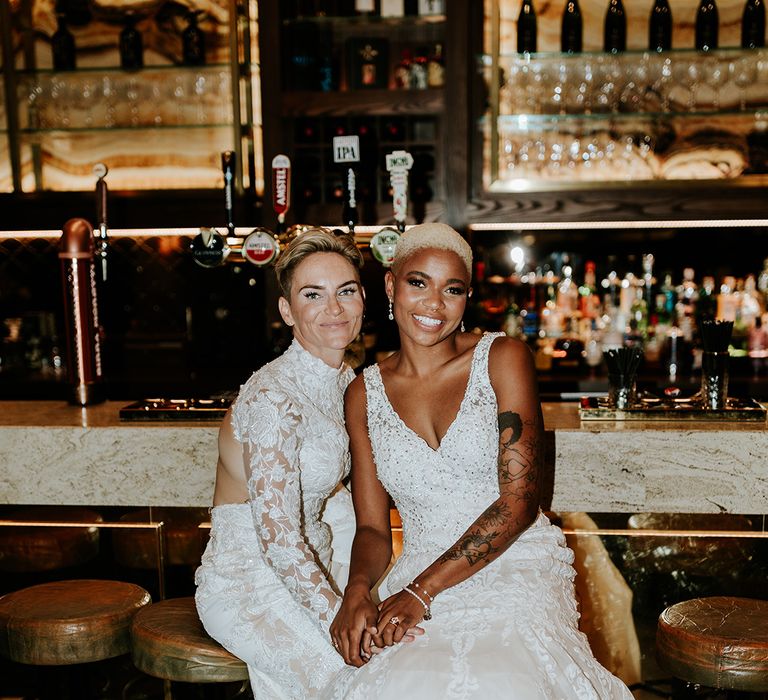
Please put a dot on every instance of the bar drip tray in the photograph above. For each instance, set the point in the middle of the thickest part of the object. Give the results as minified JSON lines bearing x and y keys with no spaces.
{"x":176,"y":410}
{"x":652,"y":408}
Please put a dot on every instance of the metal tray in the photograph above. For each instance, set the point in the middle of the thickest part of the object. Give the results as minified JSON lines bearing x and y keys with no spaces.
{"x":176,"y":410}
{"x":678,"y":409}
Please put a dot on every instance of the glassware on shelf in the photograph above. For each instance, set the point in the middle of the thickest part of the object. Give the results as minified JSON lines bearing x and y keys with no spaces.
{"x":743,"y":72}
{"x":714,"y":73}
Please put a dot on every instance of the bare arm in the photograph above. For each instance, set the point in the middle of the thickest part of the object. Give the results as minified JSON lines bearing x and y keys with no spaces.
{"x":372,"y":547}
{"x":519,"y":467}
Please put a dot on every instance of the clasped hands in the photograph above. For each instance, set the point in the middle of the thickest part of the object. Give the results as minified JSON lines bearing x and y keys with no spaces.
{"x":361,"y":628}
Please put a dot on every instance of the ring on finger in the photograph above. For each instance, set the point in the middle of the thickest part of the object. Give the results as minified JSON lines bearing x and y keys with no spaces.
{"x":394,"y":620}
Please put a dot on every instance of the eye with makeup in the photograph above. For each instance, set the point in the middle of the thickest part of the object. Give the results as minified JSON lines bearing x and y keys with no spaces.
{"x":416,"y":282}
{"x":457,"y":291}
{"x":348,"y":291}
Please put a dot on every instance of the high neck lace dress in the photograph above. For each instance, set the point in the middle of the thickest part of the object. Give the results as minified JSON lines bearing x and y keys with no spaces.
{"x":268,"y":588}
{"x":510,"y":630}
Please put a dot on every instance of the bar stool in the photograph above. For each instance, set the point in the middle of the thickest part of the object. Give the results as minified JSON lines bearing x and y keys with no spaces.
{"x":168,"y":641}
{"x":63,"y":623}
{"x":719,"y":642}
{"x":26,"y":549}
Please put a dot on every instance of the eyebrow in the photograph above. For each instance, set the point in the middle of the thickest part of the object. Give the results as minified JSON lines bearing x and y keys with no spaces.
{"x":453,"y":280}
{"x":321,"y":287}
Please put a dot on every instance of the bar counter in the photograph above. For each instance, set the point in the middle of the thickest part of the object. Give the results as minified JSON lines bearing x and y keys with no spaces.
{"x":53,"y":453}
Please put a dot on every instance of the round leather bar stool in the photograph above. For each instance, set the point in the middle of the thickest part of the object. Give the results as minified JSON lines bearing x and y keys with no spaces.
{"x":69,"y":622}
{"x":26,"y":549}
{"x":718,"y":642}
{"x":183,"y":542}
{"x":168,"y":641}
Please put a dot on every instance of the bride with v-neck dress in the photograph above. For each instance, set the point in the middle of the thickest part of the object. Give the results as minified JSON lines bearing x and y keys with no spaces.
{"x":510,"y":630}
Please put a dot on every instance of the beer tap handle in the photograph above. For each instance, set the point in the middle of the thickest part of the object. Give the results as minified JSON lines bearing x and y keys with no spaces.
{"x":228,"y":165}
{"x":281,"y":190}
{"x":100,"y":171}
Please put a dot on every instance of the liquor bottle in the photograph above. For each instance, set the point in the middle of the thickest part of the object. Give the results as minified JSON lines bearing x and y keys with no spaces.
{"x":436,"y":68}
{"x":526,"y":28}
{"x":570,"y":35}
{"x":392,"y":8}
{"x":615,"y":28}
{"x":707,"y":25}
{"x":367,"y":7}
{"x":131,"y":45}
{"x":193,"y":42}
{"x":63,"y":45}
{"x":403,"y":70}
{"x":753,"y":25}
{"x":418,"y":70}
{"x":411,"y":8}
{"x":660,"y":27}
{"x":431,"y":7}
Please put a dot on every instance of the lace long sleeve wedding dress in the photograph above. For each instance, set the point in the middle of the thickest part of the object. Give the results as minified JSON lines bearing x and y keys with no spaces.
{"x":268,"y":586}
{"x":510,"y":630}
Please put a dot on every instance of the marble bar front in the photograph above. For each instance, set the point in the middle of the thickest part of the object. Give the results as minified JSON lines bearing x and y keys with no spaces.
{"x":52,"y":453}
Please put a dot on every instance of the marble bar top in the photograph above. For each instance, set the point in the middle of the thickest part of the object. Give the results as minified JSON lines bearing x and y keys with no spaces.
{"x":53,"y":453}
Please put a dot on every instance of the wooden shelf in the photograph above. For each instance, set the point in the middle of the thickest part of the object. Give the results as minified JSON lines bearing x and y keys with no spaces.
{"x":363,"y":102}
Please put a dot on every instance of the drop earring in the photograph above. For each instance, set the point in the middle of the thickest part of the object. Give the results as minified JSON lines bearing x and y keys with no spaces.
{"x":390,"y":316}
{"x":461,"y":327}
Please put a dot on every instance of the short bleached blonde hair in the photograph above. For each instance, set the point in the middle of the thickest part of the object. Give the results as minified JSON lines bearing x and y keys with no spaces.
{"x":432,"y":235}
{"x":314,"y":240}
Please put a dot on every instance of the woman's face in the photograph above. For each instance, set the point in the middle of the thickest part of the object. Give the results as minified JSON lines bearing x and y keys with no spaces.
{"x":326,"y":305}
{"x":429,"y":294}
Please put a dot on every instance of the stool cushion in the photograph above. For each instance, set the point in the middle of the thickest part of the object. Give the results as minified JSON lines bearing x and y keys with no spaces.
{"x":719,"y":642}
{"x":168,"y":641}
{"x":69,"y":622}
{"x":25,"y":549}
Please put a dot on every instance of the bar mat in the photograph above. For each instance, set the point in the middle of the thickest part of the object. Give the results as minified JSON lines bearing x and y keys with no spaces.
{"x":598,"y":408}
{"x":176,"y":410}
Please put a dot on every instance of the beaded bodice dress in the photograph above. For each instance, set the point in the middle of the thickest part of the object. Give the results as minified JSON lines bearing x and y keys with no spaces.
{"x":510,"y":629}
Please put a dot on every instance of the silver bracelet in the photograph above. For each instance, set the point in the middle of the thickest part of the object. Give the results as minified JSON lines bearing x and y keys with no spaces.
{"x":427,"y":611}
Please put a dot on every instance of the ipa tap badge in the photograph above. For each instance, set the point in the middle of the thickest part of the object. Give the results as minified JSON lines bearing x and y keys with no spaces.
{"x":209,"y":249}
{"x":260,"y":247}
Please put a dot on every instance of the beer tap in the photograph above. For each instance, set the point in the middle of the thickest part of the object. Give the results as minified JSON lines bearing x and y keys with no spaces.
{"x":100,"y":171}
{"x":228,"y":165}
{"x":383,"y":243}
{"x":346,"y":150}
{"x":81,"y":310}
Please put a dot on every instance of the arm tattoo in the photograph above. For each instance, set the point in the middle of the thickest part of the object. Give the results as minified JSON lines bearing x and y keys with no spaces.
{"x":475,"y":546}
{"x":520,"y":455}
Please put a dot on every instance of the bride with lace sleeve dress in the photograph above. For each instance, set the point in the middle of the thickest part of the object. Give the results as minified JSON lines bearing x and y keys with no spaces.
{"x":450,"y":427}
{"x":268,"y":585}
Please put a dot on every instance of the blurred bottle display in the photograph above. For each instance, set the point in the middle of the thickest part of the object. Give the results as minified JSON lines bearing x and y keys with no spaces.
{"x":615,"y":28}
{"x":436,"y":67}
{"x":526,"y":28}
{"x":63,"y":45}
{"x":572,"y":28}
{"x":707,"y":25}
{"x":193,"y":42}
{"x":753,"y":25}
{"x":660,"y":27}
{"x":131,"y":45}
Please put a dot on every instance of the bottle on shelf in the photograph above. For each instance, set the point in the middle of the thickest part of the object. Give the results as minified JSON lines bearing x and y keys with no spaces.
{"x":753,"y":25}
{"x":392,"y":8}
{"x":193,"y":42}
{"x":707,"y":25}
{"x":572,"y":27}
{"x":403,"y":70}
{"x":63,"y":45}
{"x":431,"y":7}
{"x":526,"y":28}
{"x":131,"y":45}
{"x":418,"y":70}
{"x":615,"y":28}
{"x":660,"y":27}
{"x":367,"y":7}
{"x":436,"y":67}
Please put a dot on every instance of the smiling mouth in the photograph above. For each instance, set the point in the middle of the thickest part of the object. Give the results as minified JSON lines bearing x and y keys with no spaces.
{"x":427,"y":321}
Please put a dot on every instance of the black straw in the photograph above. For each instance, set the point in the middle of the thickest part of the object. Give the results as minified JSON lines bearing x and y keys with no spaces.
{"x":716,"y":335}
{"x":624,"y":361}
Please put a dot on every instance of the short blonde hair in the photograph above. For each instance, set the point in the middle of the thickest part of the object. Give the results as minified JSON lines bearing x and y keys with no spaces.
{"x":314,"y":240}
{"x":432,"y":235}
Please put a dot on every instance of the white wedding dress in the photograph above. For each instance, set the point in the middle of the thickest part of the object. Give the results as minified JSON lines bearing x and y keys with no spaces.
{"x":508,"y":631}
{"x":268,"y":586}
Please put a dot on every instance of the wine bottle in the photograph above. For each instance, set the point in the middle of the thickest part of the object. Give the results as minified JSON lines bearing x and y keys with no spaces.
{"x":707,"y":25}
{"x":526,"y":28}
{"x":570,"y":35}
{"x":63,"y":45}
{"x":193,"y":42}
{"x":615,"y":28}
{"x":753,"y":25}
{"x":660,"y":27}
{"x":436,"y":67}
{"x":131,"y":45}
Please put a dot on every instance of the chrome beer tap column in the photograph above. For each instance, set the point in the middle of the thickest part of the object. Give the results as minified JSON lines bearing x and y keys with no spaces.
{"x":81,"y":311}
